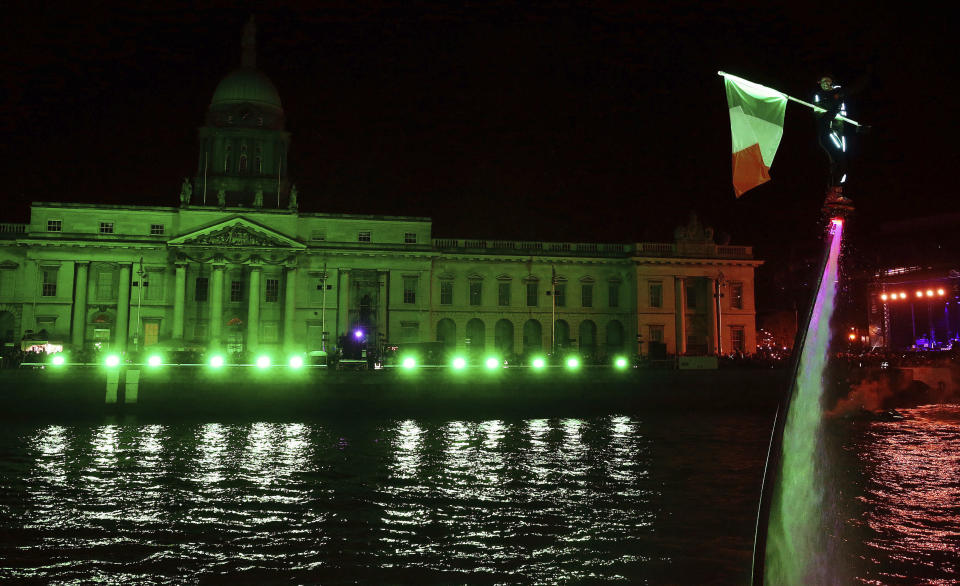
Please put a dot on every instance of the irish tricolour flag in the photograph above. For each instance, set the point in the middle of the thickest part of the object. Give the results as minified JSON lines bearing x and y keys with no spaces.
{"x":756,"y":124}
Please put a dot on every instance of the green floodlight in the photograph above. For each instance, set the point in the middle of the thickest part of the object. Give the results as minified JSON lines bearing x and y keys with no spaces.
{"x":57,"y":360}
{"x":296,"y":362}
{"x":155,"y":360}
{"x":573,"y":363}
{"x":112,"y":361}
{"x":409,"y":362}
{"x":263,"y":362}
{"x":216,"y":361}
{"x":492,"y":363}
{"x":539,"y":363}
{"x":620,"y":362}
{"x":459,"y":363}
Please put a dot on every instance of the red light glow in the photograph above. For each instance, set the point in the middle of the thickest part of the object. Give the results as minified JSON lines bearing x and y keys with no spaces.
{"x":929,"y":292}
{"x":940,"y":292}
{"x":884,"y":297}
{"x":903,"y":296}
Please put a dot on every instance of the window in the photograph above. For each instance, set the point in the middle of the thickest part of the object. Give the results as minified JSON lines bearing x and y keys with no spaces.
{"x":318,"y":293}
{"x":476,"y":288}
{"x":156,"y":229}
{"x":446,"y":292}
{"x":48,"y":282}
{"x":586,"y":295}
{"x":106,"y":227}
{"x":410,"y":289}
{"x":409,"y":331}
{"x":318,"y":235}
{"x":409,"y":238}
{"x":737,"y":339}
{"x":656,"y":334}
{"x":613,"y":295}
{"x":236,"y":291}
{"x":243,"y":158}
{"x":153,"y":286}
{"x":271,"y":332}
{"x":201,"y":289}
{"x":46,"y":324}
{"x":560,"y":294}
{"x":691,"y":296}
{"x":363,"y":236}
{"x":656,"y":294}
{"x":105,"y":288}
{"x":226,"y":158}
{"x":736,"y":294}
{"x":532,"y":294}
{"x":54,"y":225}
{"x":273,"y":290}
{"x":503,"y":294}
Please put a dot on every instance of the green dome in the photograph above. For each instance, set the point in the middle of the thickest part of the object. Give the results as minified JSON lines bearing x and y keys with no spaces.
{"x":246,"y":85}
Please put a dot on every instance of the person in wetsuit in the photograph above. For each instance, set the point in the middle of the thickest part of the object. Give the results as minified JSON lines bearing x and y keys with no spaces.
{"x":830,"y":97}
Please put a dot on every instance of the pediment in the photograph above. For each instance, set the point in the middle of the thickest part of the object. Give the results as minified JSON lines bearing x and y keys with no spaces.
{"x":236,"y":233}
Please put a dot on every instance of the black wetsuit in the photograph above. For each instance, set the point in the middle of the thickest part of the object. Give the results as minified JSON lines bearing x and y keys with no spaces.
{"x":830,"y":133}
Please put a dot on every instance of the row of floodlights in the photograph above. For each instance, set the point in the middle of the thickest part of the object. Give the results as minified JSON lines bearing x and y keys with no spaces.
{"x":919,"y":293}
{"x":296,"y":362}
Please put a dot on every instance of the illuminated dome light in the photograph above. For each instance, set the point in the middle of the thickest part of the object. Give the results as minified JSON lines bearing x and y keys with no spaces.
{"x":112,"y":361}
{"x":409,"y":362}
{"x":620,"y":362}
{"x":155,"y":360}
{"x":573,"y":363}
{"x":57,"y":360}
{"x":216,"y":361}
{"x":459,"y":363}
{"x":263,"y":362}
{"x":492,"y":363}
{"x":296,"y":362}
{"x":539,"y":363}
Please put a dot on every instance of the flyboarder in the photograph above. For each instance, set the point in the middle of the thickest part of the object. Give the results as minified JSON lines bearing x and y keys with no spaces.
{"x":831,"y":97}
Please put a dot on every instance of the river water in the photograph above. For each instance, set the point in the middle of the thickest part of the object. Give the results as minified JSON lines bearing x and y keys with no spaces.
{"x":659,"y":497}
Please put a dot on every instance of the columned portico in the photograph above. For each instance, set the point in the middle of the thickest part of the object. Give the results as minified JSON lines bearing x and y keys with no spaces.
{"x":80,"y":306}
{"x":179,"y":299}
{"x":289,"y":308}
{"x":680,"y":286}
{"x":216,"y":304}
{"x":253,"y":305}
{"x":123,"y":308}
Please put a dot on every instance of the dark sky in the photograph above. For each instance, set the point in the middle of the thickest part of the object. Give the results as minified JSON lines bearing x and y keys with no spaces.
{"x":552,"y":121}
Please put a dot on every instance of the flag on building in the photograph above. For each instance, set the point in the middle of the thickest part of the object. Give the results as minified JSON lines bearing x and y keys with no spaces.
{"x":756,"y":125}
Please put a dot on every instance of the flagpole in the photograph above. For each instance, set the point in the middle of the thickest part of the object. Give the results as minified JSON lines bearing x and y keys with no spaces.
{"x":814,"y":107}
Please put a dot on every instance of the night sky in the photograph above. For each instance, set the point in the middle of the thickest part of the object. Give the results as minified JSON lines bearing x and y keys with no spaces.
{"x":524,"y":121}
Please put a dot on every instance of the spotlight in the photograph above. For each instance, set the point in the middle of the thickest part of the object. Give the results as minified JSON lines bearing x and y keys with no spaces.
{"x":296,"y":362}
{"x":112,"y":361}
{"x":409,"y":362}
{"x":919,"y":293}
{"x":539,"y":363}
{"x":358,"y":334}
{"x":903,"y":295}
{"x":620,"y":362}
{"x":155,"y":360}
{"x":941,"y":292}
{"x":459,"y":363}
{"x":263,"y":362}
{"x":216,"y":361}
{"x":929,"y":292}
{"x":57,"y":360}
{"x":573,"y":363}
{"x":884,"y":297}
{"x":492,"y":362}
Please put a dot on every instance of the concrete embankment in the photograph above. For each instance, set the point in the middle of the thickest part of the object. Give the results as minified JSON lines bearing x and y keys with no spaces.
{"x":187,"y":391}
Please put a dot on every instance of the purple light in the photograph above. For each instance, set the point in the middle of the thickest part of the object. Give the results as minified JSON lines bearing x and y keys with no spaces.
{"x":358,"y":334}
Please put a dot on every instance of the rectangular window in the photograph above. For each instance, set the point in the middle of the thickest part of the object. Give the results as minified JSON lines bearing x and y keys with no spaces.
{"x":271,"y":332}
{"x":736,"y":294}
{"x":409,"y":238}
{"x":410,"y":289}
{"x":156,"y":229}
{"x":153,"y":286}
{"x":409,"y":331}
{"x":106,"y":227}
{"x":560,"y":291}
{"x":503,"y":294}
{"x":656,"y":294}
{"x":363,"y":236}
{"x":272,"y":290}
{"x":236,"y":291}
{"x":691,"y":297}
{"x":532,"y":294}
{"x":105,"y":288}
{"x":318,"y":235}
{"x":54,"y":225}
{"x":586,"y":295}
{"x":48,"y":282}
{"x":201,"y":289}
{"x":613,"y":295}
{"x":737,"y":338}
{"x":656,"y":334}
{"x":446,"y":292}
{"x":476,"y":288}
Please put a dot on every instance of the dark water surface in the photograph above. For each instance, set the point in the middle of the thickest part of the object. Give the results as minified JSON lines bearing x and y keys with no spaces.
{"x":661,"y":497}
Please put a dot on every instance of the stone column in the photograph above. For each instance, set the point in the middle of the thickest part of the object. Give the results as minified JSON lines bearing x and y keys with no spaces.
{"x":123,"y":308}
{"x":289,"y":308}
{"x":216,"y":305}
{"x":713,"y":299}
{"x":343,"y":305}
{"x":80,"y":306}
{"x":680,"y":286}
{"x":179,"y":300}
{"x":253,"y":307}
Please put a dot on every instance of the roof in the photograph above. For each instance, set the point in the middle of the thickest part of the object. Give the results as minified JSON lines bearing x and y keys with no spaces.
{"x":246,"y":85}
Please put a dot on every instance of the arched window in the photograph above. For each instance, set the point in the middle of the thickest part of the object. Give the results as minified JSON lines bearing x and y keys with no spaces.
{"x":226,"y":159}
{"x":614,"y":336}
{"x":258,"y":161}
{"x":476,"y":336}
{"x":243,"y":158}
{"x":503,"y":336}
{"x":447,"y":333}
{"x":532,"y":336}
{"x":561,"y":335}
{"x":588,"y":337}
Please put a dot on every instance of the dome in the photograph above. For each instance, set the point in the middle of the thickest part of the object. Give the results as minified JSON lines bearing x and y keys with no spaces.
{"x":246,"y":85}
